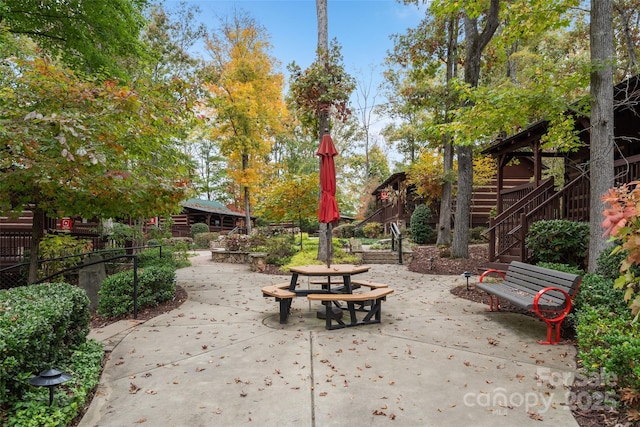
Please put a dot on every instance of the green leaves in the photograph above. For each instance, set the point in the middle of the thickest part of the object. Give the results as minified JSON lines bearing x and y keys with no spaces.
{"x":324,"y":87}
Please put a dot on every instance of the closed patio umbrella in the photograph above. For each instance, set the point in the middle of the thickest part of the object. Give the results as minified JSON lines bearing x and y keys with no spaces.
{"x":328,"y":208}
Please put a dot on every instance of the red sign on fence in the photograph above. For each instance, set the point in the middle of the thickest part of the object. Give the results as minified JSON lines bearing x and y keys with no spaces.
{"x":384,"y":195}
{"x":66,"y":224}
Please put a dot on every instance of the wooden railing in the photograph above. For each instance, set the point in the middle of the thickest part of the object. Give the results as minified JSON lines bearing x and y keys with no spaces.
{"x":570,"y":203}
{"x":503,"y":229}
{"x":507,"y":232}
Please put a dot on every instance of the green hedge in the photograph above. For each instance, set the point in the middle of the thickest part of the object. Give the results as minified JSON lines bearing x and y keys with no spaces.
{"x":608,"y":340}
{"x":156,"y":284}
{"x":559,"y":241}
{"x":39,"y":326}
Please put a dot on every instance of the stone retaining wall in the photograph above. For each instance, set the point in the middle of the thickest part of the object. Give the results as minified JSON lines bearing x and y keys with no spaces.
{"x":256,"y":260}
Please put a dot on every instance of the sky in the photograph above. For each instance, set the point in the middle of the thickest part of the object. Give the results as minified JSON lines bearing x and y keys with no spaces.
{"x":362,"y":27}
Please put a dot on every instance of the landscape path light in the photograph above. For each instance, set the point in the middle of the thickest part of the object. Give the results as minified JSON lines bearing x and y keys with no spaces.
{"x":50,"y":378}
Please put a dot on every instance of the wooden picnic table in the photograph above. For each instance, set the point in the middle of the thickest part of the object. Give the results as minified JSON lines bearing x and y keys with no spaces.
{"x":336,"y":271}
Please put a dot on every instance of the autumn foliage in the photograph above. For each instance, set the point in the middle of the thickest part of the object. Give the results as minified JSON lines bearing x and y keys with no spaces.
{"x":622,"y":222}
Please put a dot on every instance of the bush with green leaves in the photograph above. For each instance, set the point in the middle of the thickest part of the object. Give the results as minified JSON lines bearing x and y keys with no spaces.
{"x":345,"y":231}
{"x":156,"y":284}
{"x":39,"y":327}
{"x":199,"y":227}
{"x":372,"y":230}
{"x":58,"y":246}
{"x":33,"y":410}
{"x":421,"y":231}
{"x":280,"y":249}
{"x":610,"y":342}
{"x":477,"y":235}
{"x":559,"y":241}
{"x":120,"y":234}
{"x":202,"y":240}
{"x":598,"y":291}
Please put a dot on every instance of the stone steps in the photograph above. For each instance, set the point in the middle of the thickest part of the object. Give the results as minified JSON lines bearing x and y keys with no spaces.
{"x":384,"y":257}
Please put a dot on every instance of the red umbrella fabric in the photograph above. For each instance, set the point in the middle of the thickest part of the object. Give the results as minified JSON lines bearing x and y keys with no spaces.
{"x":328,"y":208}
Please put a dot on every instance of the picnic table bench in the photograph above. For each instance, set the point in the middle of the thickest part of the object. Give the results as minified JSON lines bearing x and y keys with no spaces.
{"x":283,"y":295}
{"x":547,"y":293}
{"x":373,"y":314}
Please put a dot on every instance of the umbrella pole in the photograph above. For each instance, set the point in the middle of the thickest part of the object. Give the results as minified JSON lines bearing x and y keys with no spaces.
{"x":329,"y":244}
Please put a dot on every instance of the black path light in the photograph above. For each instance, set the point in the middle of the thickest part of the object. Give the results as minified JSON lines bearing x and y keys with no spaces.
{"x":50,"y":378}
{"x":467,"y":274}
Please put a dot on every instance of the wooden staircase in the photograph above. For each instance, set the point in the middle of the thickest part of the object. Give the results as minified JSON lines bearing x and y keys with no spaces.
{"x":507,"y":231}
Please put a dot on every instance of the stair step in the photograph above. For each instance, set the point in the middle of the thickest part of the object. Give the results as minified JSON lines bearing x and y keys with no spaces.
{"x":384,"y":257}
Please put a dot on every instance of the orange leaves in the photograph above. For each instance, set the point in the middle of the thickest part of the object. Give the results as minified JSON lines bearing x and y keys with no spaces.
{"x":622,"y":221}
{"x":624,"y":204}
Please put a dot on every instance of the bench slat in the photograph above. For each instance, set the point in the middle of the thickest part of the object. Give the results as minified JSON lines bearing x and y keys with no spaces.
{"x":521,"y":285}
{"x":278,"y":291}
{"x":369,"y":284}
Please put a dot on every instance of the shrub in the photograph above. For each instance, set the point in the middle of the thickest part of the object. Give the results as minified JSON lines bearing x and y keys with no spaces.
{"x":610,"y":342}
{"x":199,"y":227}
{"x":85,"y":364}
{"x":609,"y":265}
{"x":345,"y":231}
{"x":477,"y":236}
{"x":280,"y":249}
{"x":151,"y":256}
{"x":559,"y":241}
{"x":358,"y":232}
{"x":156,"y":284}
{"x":201,"y":240}
{"x":562,"y":267}
{"x":598,"y":291}
{"x":61,"y":245}
{"x":372,"y":230}
{"x":120,"y":234}
{"x":39,"y":326}
{"x":421,"y":231}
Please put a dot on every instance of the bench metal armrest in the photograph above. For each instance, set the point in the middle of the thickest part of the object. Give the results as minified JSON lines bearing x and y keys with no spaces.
{"x":486,"y":273}
{"x":565,"y":311}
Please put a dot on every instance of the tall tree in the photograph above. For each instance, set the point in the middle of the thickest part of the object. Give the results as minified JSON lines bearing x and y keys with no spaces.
{"x":92,"y":36}
{"x":245,"y":103}
{"x":82,"y":147}
{"x":602,"y":142}
{"x":365,"y":98}
{"x":420,"y":52}
{"x":476,"y":40}
{"x":322,"y":89}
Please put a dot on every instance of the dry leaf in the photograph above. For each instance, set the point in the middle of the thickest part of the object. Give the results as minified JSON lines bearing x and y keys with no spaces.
{"x":535,"y":416}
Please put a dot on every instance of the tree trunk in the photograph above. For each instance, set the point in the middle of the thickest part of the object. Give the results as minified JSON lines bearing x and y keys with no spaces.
{"x":444,"y":221}
{"x":37,"y":232}
{"x":475,"y":44}
{"x":247,"y":204}
{"x":602,"y":136}
{"x":323,"y":118}
{"x":460,"y":245}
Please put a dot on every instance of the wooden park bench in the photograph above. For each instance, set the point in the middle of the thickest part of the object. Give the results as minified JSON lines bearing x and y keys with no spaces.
{"x":548,"y":293}
{"x":373,"y":314}
{"x":283,"y":295}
